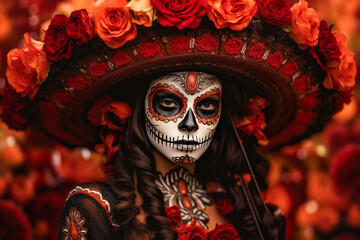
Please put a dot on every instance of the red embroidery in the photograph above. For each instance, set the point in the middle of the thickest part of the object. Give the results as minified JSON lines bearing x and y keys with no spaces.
{"x":78,"y":83}
{"x":150,"y":49}
{"x":74,"y":228}
{"x":256,"y":51}
{"x":290,"y":69}
{"x":121,"y":58}
{"x":172,"y":89}
{"x":301,"y":84}
{"x":203,"y":96}
{"x":98,"y":69}
{"x":233,"y":46}
{"x":275,"y":59}
{"x":181,"y":43}
{"x":206,"y":43}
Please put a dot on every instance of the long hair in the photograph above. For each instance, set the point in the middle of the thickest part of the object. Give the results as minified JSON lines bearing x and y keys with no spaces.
{"x":223,"y":155}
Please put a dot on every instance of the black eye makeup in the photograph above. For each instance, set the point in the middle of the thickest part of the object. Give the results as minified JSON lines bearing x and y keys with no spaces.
{"x":166,"y":103}
{"x":208,"y":107}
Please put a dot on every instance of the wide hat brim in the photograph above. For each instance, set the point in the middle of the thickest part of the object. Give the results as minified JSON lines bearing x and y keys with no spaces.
{"x":61,"y":106}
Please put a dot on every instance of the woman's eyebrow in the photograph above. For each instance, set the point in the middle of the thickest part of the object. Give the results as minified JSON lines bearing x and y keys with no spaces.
{"x":214,"y":97}
{"x":165,"y":93}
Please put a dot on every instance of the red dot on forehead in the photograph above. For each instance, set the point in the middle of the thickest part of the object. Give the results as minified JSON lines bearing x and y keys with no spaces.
{"x":191,"y":81}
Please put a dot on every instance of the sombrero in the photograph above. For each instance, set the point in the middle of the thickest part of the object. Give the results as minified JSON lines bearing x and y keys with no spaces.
{"x":278,"y":53}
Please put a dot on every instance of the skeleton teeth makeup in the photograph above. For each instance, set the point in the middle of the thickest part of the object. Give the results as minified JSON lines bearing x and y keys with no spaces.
{"x":182,"y":113}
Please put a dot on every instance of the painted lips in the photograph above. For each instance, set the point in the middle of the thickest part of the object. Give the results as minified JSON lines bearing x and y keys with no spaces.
{"x":184,"y":143}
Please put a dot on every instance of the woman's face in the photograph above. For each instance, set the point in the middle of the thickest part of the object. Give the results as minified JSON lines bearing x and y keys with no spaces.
{"x":182,"y":113}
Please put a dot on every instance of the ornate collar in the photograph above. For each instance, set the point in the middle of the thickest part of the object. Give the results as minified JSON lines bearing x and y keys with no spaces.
{"x":182,"y":188}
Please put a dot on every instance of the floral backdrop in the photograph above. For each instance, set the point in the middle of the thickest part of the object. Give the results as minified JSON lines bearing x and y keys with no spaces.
{"x":315,"y":182}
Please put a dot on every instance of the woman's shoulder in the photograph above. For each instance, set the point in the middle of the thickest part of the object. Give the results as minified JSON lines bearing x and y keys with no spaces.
{"x":98,"y":191}
{"x":87,"y":212}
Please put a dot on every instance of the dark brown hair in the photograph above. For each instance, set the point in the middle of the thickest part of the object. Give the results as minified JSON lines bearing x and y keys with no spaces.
{"x":223,"y":155}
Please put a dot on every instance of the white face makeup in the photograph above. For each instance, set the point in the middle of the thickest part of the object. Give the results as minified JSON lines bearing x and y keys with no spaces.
{"x":182,"y":113}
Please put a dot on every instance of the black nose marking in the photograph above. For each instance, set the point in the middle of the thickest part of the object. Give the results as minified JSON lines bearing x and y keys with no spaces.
{"x":189,"y":122}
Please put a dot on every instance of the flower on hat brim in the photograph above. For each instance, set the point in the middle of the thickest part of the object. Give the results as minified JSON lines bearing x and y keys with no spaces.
{"x":27,"y":67}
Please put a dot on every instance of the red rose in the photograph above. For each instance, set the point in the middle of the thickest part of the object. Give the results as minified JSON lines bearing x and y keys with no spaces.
{"x":290,"y":69}
{"x":27,"y":67}
{"x":341,"y":75}
{"x":342,"y":98}
{"x":95,"y":112}
{"x":174,"y":214}
{"x":310,"y":101}
{"x":235,"y":15}
{"x":275,"y":59}
{"x":327,"y":48}
{"x":98,"y":69}
{"x":78,"y":83}
{"x":223,"y":232}
{"x":113,"y":22}
{"x":304,"y":25}
{"x":224,"y":205}
{"x":14,"y":224}
{"x":121,"y":58}
{"x":57,"y":45}
{"x":257,"y":51}
{"x":206,"y":43}
{"x":301,"y":84}
{"x":182,"y":14}
{"x":12,"y":105}
{"x":114,"y":115}
{"x":79,"y":27}
{"x":191,"y":232}
{"x":276,"y":12}
{"x":233,"y":46}
{"x":345,"y":172}
{"x":181,"y":43}
{"x":304,"y":117}
{"x":150,"y":49}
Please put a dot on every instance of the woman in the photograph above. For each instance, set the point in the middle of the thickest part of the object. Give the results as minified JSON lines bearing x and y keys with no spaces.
{"x":163,"y":161}
{"x":176,"y":108}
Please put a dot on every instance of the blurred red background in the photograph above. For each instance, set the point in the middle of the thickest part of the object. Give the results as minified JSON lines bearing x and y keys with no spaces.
{"x":315,"y":182}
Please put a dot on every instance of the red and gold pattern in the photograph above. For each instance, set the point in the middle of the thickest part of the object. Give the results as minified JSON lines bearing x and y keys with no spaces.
{"x":171,"y":89}
{"x":96,"y":195}
{"x":203,"y":96}
{"x":74,"y":229}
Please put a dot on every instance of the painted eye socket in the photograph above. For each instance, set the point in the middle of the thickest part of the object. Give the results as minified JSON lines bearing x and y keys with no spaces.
{"x":208,"y":107}
{"x":166,"y":103}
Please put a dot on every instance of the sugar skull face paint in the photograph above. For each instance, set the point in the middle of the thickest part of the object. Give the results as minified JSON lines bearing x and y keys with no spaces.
{"x":182,"y":113}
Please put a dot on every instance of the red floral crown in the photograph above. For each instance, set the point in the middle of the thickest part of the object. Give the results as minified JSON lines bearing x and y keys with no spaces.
{"x":115,"y":22}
